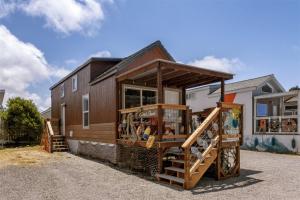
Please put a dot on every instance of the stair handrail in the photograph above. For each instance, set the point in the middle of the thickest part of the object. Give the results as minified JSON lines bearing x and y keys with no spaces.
{"x":200,"y":130}
{"x":204,"y":154}
{"x":50,"y":133}
{"x":193,"y":138}
{"x":49,"y":126}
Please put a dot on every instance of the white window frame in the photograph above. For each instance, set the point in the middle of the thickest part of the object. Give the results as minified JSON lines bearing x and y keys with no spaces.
{"x":86,"y":96}
{"x":62,"y":90}
{"x":74,"y":83}
{"x":140,"y":88}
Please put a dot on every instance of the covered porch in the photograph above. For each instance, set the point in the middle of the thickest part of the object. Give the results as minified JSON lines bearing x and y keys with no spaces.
{"x":153,"y":96}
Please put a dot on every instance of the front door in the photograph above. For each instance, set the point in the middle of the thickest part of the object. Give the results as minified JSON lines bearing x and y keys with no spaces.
{"x":62,"y":119}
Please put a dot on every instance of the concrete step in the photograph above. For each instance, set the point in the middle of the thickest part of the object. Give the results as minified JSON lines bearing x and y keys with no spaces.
{"x":170,"y":178}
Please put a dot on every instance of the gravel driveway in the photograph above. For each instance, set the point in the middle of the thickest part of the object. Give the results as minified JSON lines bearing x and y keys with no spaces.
{"x":65,"y":176}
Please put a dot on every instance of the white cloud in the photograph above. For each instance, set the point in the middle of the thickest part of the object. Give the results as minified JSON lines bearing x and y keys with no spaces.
{"x":68,"y":16}
{"x":64,"y":16}
{"x":219,"y":64}
{"x":22,"y":65}
{"x":59,"y":72}
{"x":6,"y":7}
{"x":71,"y":62}
{"x":101,"y":54}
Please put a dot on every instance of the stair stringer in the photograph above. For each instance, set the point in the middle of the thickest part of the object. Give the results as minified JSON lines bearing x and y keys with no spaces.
{"x":198,"y":174}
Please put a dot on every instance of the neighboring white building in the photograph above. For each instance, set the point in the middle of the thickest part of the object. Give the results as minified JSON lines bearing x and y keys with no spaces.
{"x":264,"y":96}
{"x":46,"y":114}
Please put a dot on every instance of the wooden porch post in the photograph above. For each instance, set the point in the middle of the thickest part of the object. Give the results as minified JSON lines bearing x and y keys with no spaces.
{"x":222,"y":90}
{"x":160,"y":100}
{"x":184,"y":112}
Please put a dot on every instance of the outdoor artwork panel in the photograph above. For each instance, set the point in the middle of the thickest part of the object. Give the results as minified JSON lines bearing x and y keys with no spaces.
{"x":231,"y":121}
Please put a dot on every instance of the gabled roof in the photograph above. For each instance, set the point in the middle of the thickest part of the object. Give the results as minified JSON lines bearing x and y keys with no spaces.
{"x":250,"y":83}
{"x":86,"y":63}
{"x":129,"y":59}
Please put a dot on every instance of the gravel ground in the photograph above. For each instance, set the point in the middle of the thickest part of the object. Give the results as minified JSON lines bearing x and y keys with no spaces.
{"x":65,"y":176}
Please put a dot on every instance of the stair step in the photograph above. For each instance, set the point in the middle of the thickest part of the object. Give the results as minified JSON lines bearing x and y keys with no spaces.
{"x":59,"y":146}
{"x":175,"y":169}
{"x":171,"y":178}
{"x":178,"y":161}
{"x":60,"y":149}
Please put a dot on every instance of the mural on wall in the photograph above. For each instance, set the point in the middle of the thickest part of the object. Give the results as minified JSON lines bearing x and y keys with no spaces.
{"x":269,"y":144}
{"x":232,"y":121}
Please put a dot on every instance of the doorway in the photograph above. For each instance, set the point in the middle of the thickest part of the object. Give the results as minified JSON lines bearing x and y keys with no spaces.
{"x":63,"y":119}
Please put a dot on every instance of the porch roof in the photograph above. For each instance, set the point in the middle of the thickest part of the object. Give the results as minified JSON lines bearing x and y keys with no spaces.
{"x":173,"y":74}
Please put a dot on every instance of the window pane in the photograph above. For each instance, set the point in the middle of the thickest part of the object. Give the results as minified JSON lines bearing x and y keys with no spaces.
{"x":85,"y":104}
{"x":261,"y":110}
{"x":62,"y":90}
{"x":132,"y":98}
{"x":149,"y":97}
{"x":86,"y":119}
{"x":73,"y":83}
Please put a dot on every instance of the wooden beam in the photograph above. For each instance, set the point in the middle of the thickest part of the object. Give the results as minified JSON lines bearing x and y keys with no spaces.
{"x":137,"y":70}
{"x":152,"y":77}
{"x":195,"y":69}
{"x":222,"y":90}
{"x":160,"y":100}
{"x":172,"y":65}
{"x":180,"y":78}
{"x":200,"y":84}
{"x":196,"y":81}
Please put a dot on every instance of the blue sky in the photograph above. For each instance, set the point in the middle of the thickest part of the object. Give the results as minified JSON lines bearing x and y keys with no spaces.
{"x":249,"y":38}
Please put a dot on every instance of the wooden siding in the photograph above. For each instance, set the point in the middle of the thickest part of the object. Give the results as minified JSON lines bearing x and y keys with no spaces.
{"x":102,"y":132}
{"x":154,"y":53}
{"x":102,"y":114}
{"x":98,"y":68}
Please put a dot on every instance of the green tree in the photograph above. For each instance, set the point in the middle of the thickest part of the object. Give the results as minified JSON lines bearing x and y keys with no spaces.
{"x":22,"y":120}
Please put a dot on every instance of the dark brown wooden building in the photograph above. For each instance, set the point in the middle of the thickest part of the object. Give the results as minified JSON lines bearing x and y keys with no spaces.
{"x":105,"y":106}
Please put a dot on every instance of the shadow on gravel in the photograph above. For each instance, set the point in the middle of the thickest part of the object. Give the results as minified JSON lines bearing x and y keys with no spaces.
{"x":208,"y":185}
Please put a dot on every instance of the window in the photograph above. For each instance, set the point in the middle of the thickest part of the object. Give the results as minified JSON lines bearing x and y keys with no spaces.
{"x":149,"y":97}
{"x":74,"y":83}
{"x":85,"y":111}
{"x":132,"y":98}
{"x":266,"y":89}
{"x":62,"y":90}
{"x":136,"y":97}
{"x":261,"y":110}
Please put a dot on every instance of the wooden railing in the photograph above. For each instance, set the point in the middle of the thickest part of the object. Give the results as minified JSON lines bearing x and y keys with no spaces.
{"x":47,"y":137}
{"x":221,"y":131}
{"x":160,"y":114}
{"x":191,"y":142}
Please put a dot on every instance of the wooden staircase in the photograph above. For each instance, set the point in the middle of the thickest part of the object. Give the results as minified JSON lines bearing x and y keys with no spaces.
{"x":189,"y":166}
{"x":52,"y":141}
{"x":59,"y":143}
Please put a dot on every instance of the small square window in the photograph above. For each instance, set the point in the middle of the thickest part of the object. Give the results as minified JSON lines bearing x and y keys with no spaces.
{"x":74,"y":83}
{"x":62,"y":90}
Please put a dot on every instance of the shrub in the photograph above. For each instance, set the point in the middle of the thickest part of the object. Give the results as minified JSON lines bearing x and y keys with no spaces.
{"x":22,"y":120}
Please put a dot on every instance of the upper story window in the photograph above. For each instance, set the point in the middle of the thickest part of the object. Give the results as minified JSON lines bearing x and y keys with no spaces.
{"x":62,"y":90}
{"x":85,"y":111}
{"x":266,"y":89}
{"x":74,"y":83}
